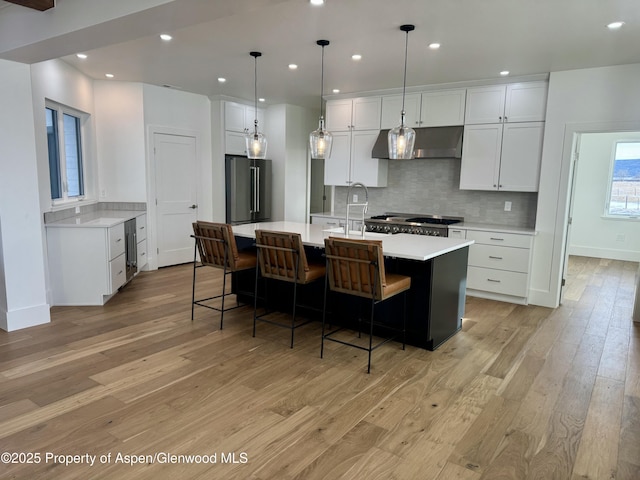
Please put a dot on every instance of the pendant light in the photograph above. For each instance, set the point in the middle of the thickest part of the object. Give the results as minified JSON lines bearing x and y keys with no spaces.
{"x":256,"y":142}
{"x":402,"y":138}
{"x":320,"y":140}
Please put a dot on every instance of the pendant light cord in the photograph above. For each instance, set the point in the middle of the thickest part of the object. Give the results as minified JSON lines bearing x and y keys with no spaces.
{"x":322,"y":83}
{"x":404,"y":82}
{"x":255,"y":96}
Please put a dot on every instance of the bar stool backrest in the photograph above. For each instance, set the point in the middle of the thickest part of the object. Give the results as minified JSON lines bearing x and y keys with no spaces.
{"x":355,"y":267}
{"x":278,"y":251}
{"x":216,"y":244}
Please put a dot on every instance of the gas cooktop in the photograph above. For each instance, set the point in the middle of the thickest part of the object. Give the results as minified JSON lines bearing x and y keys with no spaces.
{"x":415,"y":223}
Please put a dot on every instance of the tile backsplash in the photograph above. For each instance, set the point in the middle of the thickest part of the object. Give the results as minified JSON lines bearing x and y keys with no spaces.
{"x":432,"y":187}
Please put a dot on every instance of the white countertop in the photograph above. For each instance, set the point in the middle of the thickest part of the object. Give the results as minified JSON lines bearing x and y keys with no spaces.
{"x":493,"y":228}
{"x":402,"y":245}
{"x":98,"y":219}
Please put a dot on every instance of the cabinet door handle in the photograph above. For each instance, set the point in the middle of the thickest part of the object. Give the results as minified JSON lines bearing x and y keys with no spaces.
{"x":500,"y":118}
{"x":497,"y":239}
{"x":141,"y":228}
{"x":495,"y":258}
{"x":505,"y":118}
{"x":194,"y":206}
{"x":143,"y":254}
{"x":492,"y":280}
{"x":119,"y":273}
{"x":118,"y":240}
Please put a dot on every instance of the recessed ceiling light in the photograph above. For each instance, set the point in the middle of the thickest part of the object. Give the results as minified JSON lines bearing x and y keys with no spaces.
{"x":316,"y":2}
{"x":261,"y":99}
{"x":336,"y":90}
{"x":292,"y":66}
{"x":109,"y":75}
{"x":615,"y":25}
{"x":356,"y":57}
{"x":221,"y":79}
{"x":504,"y":73}
{"x":434,"y":46}
{"x":166,"y":37}
{"x":81,"y":55}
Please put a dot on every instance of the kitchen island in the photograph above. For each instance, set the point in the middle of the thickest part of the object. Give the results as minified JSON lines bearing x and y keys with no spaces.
{"x":437,"y":267}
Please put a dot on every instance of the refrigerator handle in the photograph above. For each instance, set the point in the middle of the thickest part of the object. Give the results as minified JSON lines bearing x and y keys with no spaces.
{"x":257,"y":194}
{"x":253,"y":190}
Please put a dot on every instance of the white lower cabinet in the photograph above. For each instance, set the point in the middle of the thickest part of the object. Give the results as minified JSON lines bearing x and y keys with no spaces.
{"x":88,"y":264}
{"x":499,"y":265}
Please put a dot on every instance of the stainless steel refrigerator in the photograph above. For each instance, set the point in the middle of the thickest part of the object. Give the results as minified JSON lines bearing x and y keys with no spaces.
{"x":248,"y":189}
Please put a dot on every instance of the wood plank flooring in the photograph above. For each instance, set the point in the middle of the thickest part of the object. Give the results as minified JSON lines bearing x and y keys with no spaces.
{"x":522,"y":392}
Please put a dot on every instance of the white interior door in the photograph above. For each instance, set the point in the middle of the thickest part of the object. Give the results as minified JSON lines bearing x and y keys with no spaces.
{"x":176,"y":197}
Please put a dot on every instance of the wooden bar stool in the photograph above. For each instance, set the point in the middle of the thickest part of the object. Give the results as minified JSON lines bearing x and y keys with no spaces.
{"x":217,"y":247}
{"x":356,"y":267}
{"x":281,"y":256}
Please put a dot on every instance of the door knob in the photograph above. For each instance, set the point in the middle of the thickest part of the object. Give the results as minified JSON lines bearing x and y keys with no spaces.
{"x":194,"y":206}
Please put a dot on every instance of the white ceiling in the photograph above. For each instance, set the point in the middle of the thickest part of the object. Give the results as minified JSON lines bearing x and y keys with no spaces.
{"x":212,"y":38}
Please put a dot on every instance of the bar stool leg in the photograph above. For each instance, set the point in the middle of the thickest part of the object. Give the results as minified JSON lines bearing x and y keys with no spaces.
{"x":193,"y":286}
{"x":324,"y":314}
{"x":255,"y":295}
{"x":373,"y":303}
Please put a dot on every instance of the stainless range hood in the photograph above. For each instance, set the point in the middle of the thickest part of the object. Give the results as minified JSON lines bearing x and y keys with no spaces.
{"x":431,"y":142}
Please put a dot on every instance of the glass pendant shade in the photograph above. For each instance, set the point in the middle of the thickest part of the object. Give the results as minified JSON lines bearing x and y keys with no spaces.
{"x":256,"y":142}
{"x":402,"y":139}
{"x":320,"y":140}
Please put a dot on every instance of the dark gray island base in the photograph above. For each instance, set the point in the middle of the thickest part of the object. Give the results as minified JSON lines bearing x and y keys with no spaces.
{"x":434,"y":304}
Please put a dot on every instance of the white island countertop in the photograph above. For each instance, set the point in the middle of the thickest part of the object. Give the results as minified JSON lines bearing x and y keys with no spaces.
{"x":99,"y":218}
{"x":401,"y":245}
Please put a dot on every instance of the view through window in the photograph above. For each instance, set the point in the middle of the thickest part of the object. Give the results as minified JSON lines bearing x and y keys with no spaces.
{"x":624,"y":192}
{"x":65,"y":153}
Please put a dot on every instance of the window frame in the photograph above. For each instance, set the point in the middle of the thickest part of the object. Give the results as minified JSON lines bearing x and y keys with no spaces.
{"x":607,"y":206}
{"x":60,"y":112}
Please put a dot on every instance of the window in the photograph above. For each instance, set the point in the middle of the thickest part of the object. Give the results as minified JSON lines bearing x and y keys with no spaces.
{"x":64,"y":140}
{"x":624,"y":189}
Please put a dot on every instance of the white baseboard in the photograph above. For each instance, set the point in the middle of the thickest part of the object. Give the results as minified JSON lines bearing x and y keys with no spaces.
{"x":610,"y":253}
{"x":26,"y":317}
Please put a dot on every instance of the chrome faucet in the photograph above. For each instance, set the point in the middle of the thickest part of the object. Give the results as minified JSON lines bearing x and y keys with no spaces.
{"x":364,"y":206}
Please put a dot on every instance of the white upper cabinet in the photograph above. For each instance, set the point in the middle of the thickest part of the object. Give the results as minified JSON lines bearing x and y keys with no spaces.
{"x":392,"y":106}
{"x":443,"y":108}
{"x":526,"y":102}
{"x":354,"y":114}
{"x":516,"y":102}
{"x":502,"y":156}
{"x":351,"y":160}
{"x":485,"y":104}
{"x":240,"y":118}
{"x":428,"y":109}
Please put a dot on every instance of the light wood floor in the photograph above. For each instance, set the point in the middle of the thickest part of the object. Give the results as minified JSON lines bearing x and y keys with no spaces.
{"x":522,"y":392}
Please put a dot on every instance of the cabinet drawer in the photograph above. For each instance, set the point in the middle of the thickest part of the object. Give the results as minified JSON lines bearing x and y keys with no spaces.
{"x":457,"y":233}
{"x":116,"y":241}
{"x":496,"y":238}
{"x":118,"y":272}
{"x":502,"y":258}
{"x":497,"y":281}
{"x":142,"y":255}
{"x":141,"y":228}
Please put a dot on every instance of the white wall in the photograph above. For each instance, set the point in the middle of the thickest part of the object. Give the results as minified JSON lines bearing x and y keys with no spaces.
{"x":594,"y":99}
{"x":22,"y":286}
{"x":181,"y":113}
{"x":287,"y":128}
{"x":120,"y":141}
{"x":56,"y":80}
{"x":592,"y":234}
